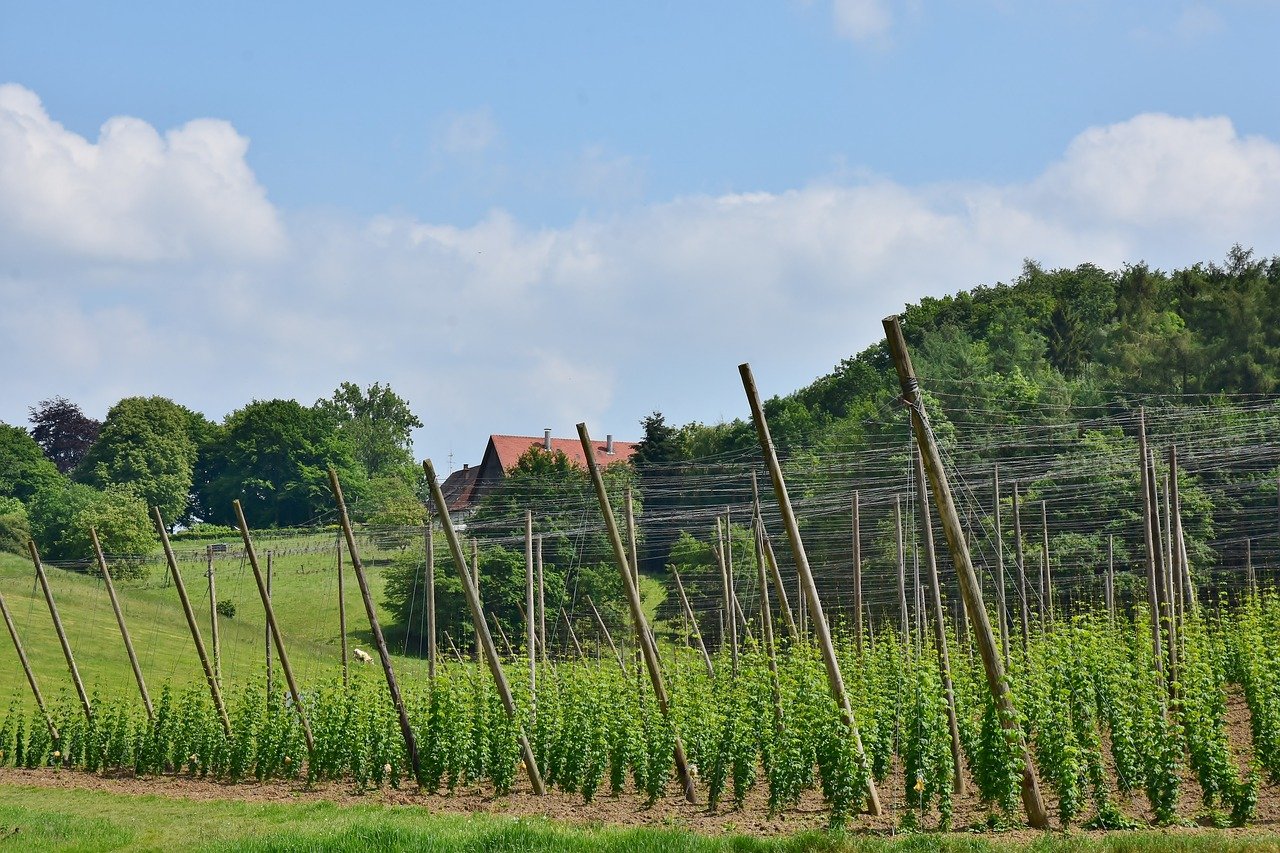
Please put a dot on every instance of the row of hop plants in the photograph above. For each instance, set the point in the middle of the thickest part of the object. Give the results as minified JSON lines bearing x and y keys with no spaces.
{"x":1098,"y":720}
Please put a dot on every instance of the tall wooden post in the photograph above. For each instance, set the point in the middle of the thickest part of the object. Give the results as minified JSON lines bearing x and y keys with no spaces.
{"x":902,"y":570}
{"x":766,"y":616}
{"x":270,"y":670}
{"x":939,"y":626}
{"x":693,"y":622}
{"x":379,"y":642}
{"x":273,"y":628}
{"x":26,"y":668}
{"x":1032,"y":802}
{"x":62,"y":635}
{"x":1001,"y":589}
{"x":730,"y":623}
{"x":542,"y":601}
{"x":477,"y":615}
{"x":215,"y":690}
{"x":1046,"y":573}
{"x":857,"y":572}
{"x":1020,"y":560}
{"x":1152,"y":541}
{"x":429,"y":555}
{"x":124,"y":631}
{"x":530,"y":611}
{"x":809,"y":589}
{"x":213,"y":613}
{"x":647,"y":645}
{"x":342,"y":621}
{"x":784,"y":604}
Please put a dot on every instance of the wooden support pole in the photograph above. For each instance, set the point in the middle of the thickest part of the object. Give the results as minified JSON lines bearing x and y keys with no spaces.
{"x":273,"y":628}
{"x":939,"y":625}
{"x":1020,"y":561}
{"x":730,"y":637}
{"x":213,"y":613}
{"x":573,"y":636}
{"x":1152,"y":541}
{"x":902,"y":571}
{"x":809,"y":589}
{"x":1046,"y":571}
{"x":215,"y":690}
{"x":62,"y":635}
{"x":270,"y":670}
{"x":124,"y":631}
{"x":608,"y":638}
{"x":506,"y":643}
{"x":429,"y":556}
{"x":857,"y":571}
{"x":477,"y":614}
{"x":1033,"y":803}
{"x":26,"y":668}
{"x":647,"y":645}
{"x":542,"y":601}
{"x":379,"y":642}
{"x":530,"y":612}
{"x":1002,"y":602}
{"x":784,"y":603}
{"x":766,"y":616}
{"x":693,"y":622}
{"x":457,"y":654}
{"x":342,"y":620}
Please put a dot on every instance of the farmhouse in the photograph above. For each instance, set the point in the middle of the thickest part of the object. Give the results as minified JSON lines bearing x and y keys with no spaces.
{"x":463,"y":489}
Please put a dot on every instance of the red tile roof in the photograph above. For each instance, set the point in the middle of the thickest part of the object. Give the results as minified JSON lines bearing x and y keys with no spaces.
{"x":511,"y":447}
{"x":459,"y":488}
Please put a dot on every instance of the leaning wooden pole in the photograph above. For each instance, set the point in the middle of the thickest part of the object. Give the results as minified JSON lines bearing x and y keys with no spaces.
{"x":482,"y":629}
{"x":939,"y":625}
{"x":1033,"y":803}
{"x":693,"y":622}
{"x":530,"y":613}
{"x":647,"y":645}
{"x":124,"y":630}
{"x":608,"y":638}
{"x":274,"y":628}
{"x":26,"y":668}
{"x":763,"y":542}
{"x":379,"y":642}
{"x":213,"y":613}
{"x":62,"y":634}
{"x":215,"y":690}
{"x":835,"y":681}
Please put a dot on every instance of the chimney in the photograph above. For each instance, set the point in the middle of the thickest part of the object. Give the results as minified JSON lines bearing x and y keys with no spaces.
{"x":608,"y":444}
{"x":546,"y":439}
{"x":465,"y":466}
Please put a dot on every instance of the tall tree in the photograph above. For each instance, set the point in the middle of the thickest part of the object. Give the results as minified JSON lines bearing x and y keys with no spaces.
{"x":24,"y":470}
{"x":272,"y":455}
{"x":377,"y":423}
{"x":146,"y":447}
{"x":63,"y":431}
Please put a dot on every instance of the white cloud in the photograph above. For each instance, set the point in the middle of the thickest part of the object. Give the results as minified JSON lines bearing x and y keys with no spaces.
{"x":500,"y":327}
{"x":131,"y":196}
{"x":862,"y":20}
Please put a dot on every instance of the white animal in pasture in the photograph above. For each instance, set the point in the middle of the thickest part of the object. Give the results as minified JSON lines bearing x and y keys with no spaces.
{"x":362,"y":655}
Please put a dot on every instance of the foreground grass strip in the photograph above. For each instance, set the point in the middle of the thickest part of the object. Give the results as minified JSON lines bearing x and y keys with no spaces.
{"x":71,"y":819}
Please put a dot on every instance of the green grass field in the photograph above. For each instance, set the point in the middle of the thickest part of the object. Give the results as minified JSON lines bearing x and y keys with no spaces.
{"x":38,"y":818}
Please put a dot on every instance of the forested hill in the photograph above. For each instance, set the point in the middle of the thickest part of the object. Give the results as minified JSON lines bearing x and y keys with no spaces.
{"x":1064,"y":338}
{"x":1043,"y":377}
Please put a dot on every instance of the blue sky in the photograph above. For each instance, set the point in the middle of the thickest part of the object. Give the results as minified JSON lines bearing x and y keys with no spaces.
{"x":524,"y":215}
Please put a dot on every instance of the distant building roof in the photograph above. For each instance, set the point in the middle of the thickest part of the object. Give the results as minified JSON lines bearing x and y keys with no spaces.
{"x":462,"y":489}
{"x":509,"y":449}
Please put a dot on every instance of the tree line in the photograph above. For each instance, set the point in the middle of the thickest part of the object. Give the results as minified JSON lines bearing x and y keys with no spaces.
{"x":70,"y":472}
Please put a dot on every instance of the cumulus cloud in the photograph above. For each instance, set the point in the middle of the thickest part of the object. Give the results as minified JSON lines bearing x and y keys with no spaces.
{"x":862,"y":20}
{"x":133,"y":195}
{"x":502,"y":327}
